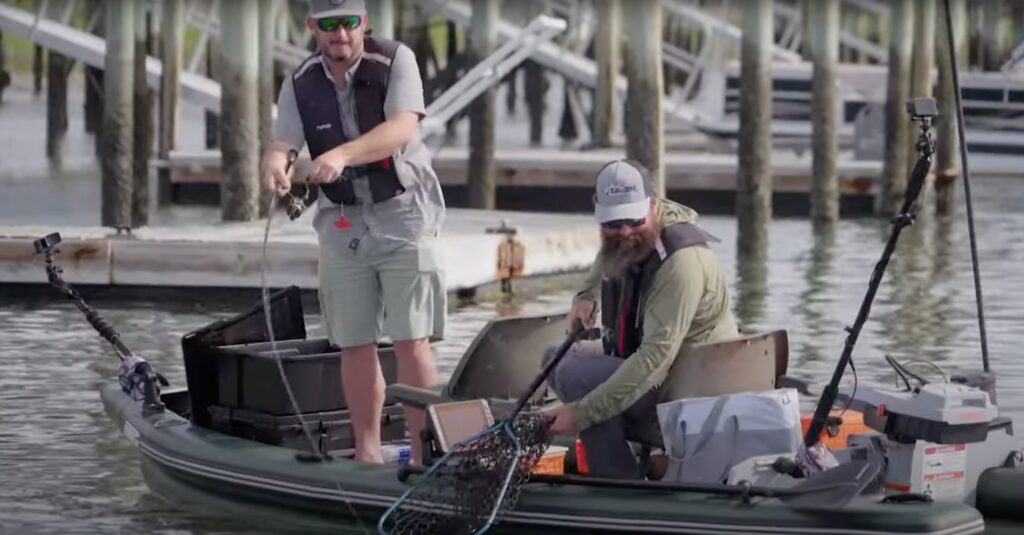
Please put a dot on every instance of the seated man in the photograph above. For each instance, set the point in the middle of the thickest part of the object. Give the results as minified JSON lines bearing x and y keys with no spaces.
{"x":660,"y":287}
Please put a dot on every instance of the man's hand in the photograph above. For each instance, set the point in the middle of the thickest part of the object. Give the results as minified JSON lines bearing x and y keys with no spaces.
{"x":563,"y":423}
{"x":582,"y":310}
{"x":273,"y":170}
{"x":328,"y":166}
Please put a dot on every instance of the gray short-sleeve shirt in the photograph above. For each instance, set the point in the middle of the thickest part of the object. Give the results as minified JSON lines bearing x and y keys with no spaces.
{"x":416,"y":214}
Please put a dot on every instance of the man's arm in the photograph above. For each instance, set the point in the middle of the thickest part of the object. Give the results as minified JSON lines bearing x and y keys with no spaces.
{"x":288,"y":135}
{"x":673,"y":299}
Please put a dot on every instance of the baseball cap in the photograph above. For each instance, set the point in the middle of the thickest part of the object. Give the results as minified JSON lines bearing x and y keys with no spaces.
{"x":319,"y":9}
{"x":623,"y":191}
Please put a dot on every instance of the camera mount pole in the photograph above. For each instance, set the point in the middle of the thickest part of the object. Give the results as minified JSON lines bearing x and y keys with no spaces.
{"x":921,"y":110}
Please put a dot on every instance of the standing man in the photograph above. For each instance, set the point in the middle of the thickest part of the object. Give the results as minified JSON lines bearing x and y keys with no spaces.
{"x":357,"y":104}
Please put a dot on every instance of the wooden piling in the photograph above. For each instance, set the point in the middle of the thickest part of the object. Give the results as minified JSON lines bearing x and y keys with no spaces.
{"x":754,"y":181}
{"x":267,"y":12}
{"x":947,"y":143}
{"x":213,"y":72}
{"x":382,"y":18}
{"x":644,"y":121}
{"x":992,"y":35}
{"x":171,"y":53}
{"x":897,"y":123}
{"x":535,"y":86}
{"x":825,"y":147}
{"x":142,"y":125}
{"x":5,"y":77}
{"x":239,"y":124}
{"x":37,"y":69}
{"x":483,"y":39}
{"x":607,"y":53}
{"x":116,"y":160}
{"x":923,"y":59}
{"x":57,"y":69}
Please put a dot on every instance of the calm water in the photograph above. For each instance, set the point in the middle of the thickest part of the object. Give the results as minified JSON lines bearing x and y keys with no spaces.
{"x":65,"y":468}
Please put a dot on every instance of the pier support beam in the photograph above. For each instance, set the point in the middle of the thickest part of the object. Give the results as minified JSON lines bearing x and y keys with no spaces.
{"x":268,"y":10}
{"x":754,"y":181}
{"x":993,"y":35}
{"x":57,"y":69}
{"x":93,"y":109}
{"x":239,"y":125}
{"x":37,"y":69}
{"x":947,"y":143}
{"x":142,"y":143}
{"x":483,"y":39}
{"x":645,"y":127}
{"x":5,"y":77}
{"x":607,"y":53}
{"x":382,"y":18}
{"x":897,"y":124}
{"x":172,"y":34}
{"x":825,"y":49}
{"x":116,"y":157}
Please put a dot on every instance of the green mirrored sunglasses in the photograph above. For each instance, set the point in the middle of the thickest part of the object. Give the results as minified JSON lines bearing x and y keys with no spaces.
{"x":330,"y":24}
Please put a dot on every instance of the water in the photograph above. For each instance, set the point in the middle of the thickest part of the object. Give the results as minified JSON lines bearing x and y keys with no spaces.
{"x":66,"y":469}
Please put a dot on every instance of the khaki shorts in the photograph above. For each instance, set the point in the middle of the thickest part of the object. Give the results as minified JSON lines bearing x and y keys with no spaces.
{"x":367,"y":292}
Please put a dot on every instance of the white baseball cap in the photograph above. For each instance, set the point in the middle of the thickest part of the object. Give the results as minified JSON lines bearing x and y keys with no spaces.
{"x":319,"y":9}
{"x":623,"y":191}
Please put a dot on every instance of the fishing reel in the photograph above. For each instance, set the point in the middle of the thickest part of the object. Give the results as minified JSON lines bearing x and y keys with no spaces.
{"x":295,"y":205}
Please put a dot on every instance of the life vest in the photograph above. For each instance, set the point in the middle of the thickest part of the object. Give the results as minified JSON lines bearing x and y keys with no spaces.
{"x":321,"y":117}
{"x":622,"y":298}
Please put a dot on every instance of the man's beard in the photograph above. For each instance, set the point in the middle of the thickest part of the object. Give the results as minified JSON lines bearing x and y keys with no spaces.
{"x":620,"y":253}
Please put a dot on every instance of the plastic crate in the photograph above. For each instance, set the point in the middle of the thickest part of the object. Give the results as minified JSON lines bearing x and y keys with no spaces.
{"x":248,"y":376}
{"x":331,"y":431}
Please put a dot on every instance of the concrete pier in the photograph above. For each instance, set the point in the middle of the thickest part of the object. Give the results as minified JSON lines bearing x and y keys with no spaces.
{"x":116,"y":159}
{"x":230,"y":254}
{"x":239,"y":122}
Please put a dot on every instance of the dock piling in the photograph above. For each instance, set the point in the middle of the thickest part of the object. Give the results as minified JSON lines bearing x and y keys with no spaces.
{"x":239,"y":121}
{"x":172,"y":35}
{"x":825,"y":46}
{"x":754,"y":177}
{"x":382,"y":18}
{"x":116,"y":158}
{"x":897,"y":124}
{"x":483,"y":39}
{"x":645,"y":127}
{"x":57,"y":69}
{"x":268,"y":10}
{"x":607,"y":53}
{"x":947,"y":144}
{"x":142,"y":125}
{"x":5,"y":77}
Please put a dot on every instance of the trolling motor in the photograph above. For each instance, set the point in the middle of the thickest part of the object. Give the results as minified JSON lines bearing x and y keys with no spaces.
{"x":135,"y":375}
{"x":921,"y":110}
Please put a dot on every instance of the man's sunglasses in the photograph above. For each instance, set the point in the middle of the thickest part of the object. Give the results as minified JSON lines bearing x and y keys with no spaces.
{"x":619,"y":223}
{"x":330,"y":24}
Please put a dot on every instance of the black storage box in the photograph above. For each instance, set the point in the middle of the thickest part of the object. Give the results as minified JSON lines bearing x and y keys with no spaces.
{"x":248,"y":376}
{"x":331,"y":431}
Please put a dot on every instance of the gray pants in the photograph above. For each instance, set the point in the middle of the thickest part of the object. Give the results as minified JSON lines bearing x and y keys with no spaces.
{"x":608,"y":452}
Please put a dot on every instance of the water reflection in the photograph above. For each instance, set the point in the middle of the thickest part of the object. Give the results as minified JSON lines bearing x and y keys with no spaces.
{"x":751,"y":287}
{"x":813,"y":302}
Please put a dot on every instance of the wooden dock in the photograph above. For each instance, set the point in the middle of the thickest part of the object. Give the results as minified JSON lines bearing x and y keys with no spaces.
{"x":229,"y":255}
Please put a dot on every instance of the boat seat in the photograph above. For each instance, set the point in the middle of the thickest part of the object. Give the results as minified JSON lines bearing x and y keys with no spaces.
{"x":749,"y":363}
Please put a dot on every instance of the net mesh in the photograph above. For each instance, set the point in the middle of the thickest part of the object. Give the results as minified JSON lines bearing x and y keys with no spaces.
{"x":462,"y":490}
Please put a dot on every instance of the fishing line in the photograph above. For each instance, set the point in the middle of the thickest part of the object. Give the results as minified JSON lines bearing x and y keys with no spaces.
{"x":267,"y":316}
{"x":967,"y":184}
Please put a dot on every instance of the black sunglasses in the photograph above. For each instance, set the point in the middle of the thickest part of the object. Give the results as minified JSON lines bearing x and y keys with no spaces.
{"x":619,"y":223}
{"x":330,"y":24}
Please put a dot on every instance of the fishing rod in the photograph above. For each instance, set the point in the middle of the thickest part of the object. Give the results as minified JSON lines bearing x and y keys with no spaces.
{"x":922,"y":110}
{"x":953,"y":68}
{"x":136,"y":375}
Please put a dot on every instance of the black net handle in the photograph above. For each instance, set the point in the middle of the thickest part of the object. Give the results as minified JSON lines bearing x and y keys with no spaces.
{"x":575,"y":333}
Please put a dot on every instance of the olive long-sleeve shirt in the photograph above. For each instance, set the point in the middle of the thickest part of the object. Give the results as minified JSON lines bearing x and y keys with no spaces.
{"x":688,"y":302}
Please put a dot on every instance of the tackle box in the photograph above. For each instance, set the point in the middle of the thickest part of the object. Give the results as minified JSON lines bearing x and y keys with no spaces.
{"x":248,"y":376}
{"x":331,"y":430}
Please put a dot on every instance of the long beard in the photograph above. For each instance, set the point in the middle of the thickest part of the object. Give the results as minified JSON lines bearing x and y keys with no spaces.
{"x":620,"y":253}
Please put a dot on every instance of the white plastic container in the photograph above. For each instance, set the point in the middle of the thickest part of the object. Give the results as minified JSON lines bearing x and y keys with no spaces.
{"x":396,"y":453}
